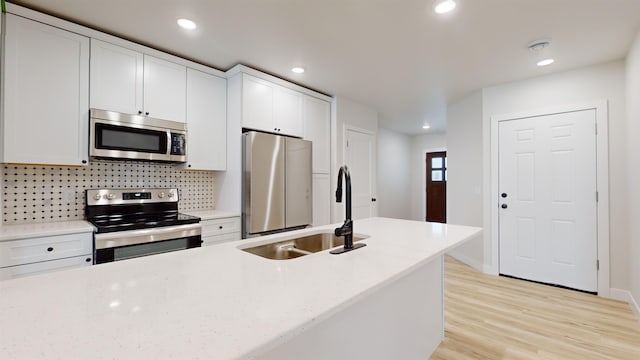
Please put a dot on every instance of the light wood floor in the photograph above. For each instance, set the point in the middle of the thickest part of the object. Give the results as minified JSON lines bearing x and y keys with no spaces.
{"x":489,"y":317}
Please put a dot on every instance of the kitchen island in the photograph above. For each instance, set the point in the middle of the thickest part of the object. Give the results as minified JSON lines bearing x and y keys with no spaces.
{"x":220,"y":302}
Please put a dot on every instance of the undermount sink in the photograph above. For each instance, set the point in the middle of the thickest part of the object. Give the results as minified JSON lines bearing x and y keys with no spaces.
{"x":293,"y":248}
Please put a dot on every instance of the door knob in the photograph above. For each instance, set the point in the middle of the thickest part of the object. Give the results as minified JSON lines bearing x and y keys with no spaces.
{"x":504,"y":206}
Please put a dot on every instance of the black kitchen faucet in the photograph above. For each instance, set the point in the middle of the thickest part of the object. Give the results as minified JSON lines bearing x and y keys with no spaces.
{"x":346,"y":229}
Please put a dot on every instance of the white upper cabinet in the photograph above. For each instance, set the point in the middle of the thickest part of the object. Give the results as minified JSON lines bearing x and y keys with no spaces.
{"x":116,"y":78}
{"x":46,"y":94}
{"x":257,"y":103}
{"x":165,"y":89}
{"x":270,"y":107}
{"x":287,"y":111}
{"x":128,"y":81}
{"x":317,"y":127}
{"x":206,"y":121}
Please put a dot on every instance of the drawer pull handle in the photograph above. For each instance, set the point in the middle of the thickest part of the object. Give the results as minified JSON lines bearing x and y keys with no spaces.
{"x":87,"y":259}
{"x":49,"y":249}
{"x":220,"y":227}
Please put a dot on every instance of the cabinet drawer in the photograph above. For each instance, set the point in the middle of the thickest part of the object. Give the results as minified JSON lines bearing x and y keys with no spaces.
{"x":13,"y":272}
{"x":26,"y":251}
{"x":220,"y":226}
{"x":218,"y":239}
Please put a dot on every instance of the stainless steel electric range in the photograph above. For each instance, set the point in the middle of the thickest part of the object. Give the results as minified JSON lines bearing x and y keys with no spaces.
{"x":138,"y":222}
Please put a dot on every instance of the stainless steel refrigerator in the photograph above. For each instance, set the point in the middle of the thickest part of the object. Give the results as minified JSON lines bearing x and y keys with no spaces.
{"x":276,"y":183}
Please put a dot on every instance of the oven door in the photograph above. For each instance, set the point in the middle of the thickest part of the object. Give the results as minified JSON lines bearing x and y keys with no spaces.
{"x":125,"y":136}
{"x":112,"y":139}
{"x":122,"y":245}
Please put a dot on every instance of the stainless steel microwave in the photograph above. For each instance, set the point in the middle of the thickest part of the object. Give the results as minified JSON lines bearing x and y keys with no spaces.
{"x":122,"y":136}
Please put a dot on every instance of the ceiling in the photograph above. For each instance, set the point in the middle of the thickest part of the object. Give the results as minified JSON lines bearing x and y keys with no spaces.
{"x":397,"y":57}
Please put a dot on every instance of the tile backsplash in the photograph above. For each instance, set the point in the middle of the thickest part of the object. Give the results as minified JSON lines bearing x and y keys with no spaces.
{"x":56,"y":193}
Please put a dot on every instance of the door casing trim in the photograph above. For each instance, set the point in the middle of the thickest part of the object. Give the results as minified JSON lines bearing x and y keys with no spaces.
{"x":601,"y":108}
{"x":374,"y":185}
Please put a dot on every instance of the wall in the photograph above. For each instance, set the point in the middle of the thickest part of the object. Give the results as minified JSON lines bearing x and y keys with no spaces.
{"x":394,"y":174}
{"x":465,"y":167}
{"x":600,"y":82}
{"x":56,"y":193}
{"x":420,"y":145}
{"x":633,"y":149}
{"x":344,"y":113}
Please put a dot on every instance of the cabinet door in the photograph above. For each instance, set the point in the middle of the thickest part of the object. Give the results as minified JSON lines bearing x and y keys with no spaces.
{"x":317,"y":125}
{"x":219,"y":239}
{"x":321,"y":199}
{"x":26,"y":251}
{"x":13,"y":272}
{"x":222,"y":226}
{"x":257,"y":104}
{"x":165,"y":89}
{"x":46,"y":94}
{"x":206,"y":121}
{"x":116,"y":78}
{"x":287,"y":112}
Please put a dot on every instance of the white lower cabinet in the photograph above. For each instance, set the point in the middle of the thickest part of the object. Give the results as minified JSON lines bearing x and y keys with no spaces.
{"x":321,"y":199}
{"x":220,"y":230}
{"x":219,"y":239}
{"x":13,"y":272}
{"x":42,"y":254}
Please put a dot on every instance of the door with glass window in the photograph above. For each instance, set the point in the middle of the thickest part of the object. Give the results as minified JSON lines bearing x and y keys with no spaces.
{"x":437,"y":187}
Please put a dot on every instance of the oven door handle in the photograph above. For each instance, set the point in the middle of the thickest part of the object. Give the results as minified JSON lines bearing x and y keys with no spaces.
{"x":141,"y":236}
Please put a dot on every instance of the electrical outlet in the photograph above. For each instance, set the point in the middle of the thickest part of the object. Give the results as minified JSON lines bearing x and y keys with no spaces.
{"x":69,"y":196}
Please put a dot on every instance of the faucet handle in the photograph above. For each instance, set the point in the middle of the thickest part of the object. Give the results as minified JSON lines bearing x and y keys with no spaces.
{"x":345,"y":229}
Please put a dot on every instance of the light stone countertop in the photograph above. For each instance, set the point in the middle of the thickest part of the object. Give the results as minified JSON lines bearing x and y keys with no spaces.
{"x":215,"y":302}
{"x":31,"y":230}
{"x":211,"y":214}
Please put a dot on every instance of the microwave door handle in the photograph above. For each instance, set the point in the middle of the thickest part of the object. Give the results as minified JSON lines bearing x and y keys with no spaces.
{"x":168,"y":153}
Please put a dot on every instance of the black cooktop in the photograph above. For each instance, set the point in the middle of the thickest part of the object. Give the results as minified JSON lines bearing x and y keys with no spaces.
{"x":110,"y":223}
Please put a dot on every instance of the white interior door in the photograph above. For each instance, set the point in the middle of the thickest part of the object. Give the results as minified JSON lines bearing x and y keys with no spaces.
{"x":359,"y":159}
{"x":548,"y":214}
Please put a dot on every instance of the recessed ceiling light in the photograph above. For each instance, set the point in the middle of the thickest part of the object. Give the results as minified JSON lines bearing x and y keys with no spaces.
{"x":186,"y":24}
{"x":298,"y":70}
{"x":545,"y":62}
{"x":426,"y":126}
{"x":444,"y":6}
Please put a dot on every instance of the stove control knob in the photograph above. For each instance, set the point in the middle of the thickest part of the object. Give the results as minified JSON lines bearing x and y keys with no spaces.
{"x":110,"y":196}
{"x":161,"y":195}
{"x":171,"y":194}
{"x":97,"y":197}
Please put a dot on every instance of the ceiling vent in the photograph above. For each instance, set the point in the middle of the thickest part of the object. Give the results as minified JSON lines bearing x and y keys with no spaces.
{"x":539,"y":45}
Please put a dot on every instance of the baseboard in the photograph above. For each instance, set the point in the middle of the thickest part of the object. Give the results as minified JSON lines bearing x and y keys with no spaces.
{"x":626,"y":296}
{"x":467,"y":260}
{"x":488,"y":269}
